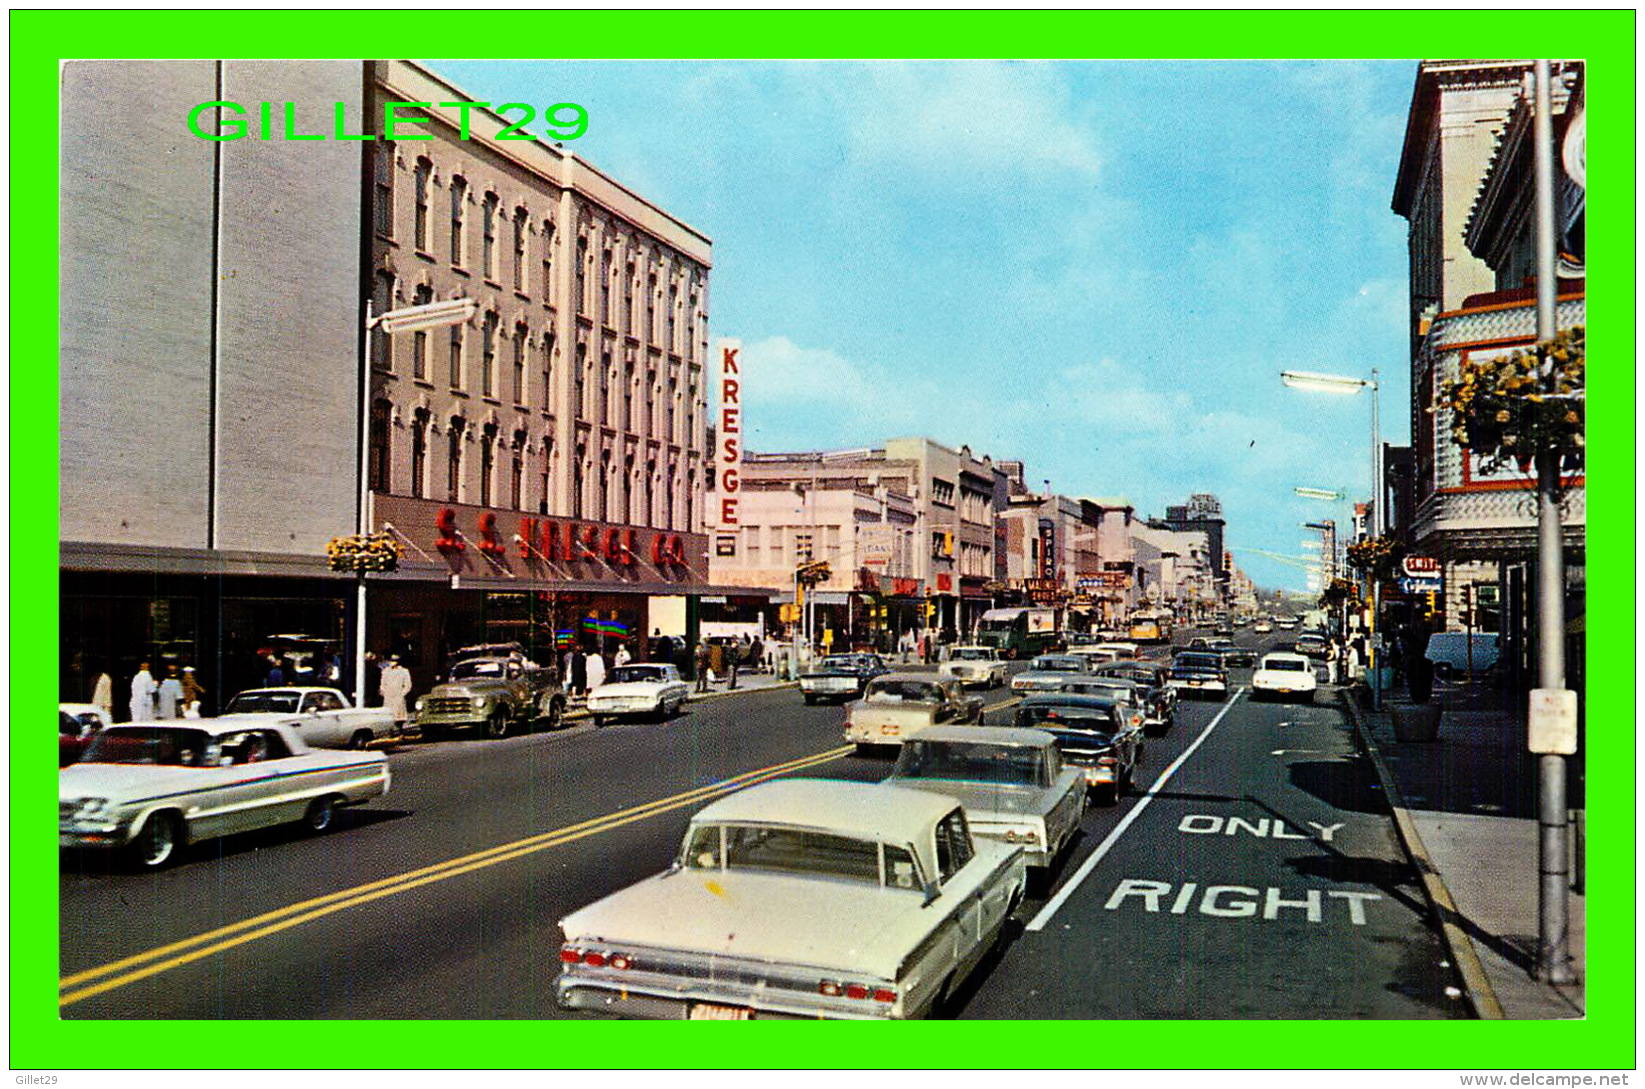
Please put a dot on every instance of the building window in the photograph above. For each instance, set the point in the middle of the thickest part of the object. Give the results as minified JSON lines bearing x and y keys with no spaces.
{"x":419,"y":339}
{"x":651,"y":493}
{"x":582,"y":275}
{"x":628,"y":490}
{"x":577,"y":470}
{"x":381,"y":355}
{"x":459,"y":201}
{"x":488,"y":355}
{"x":488,"y":237}
{"x":382,"y":205}
{"x":454,"y":461}
{"x":605,"y":287}
{"x":691,"y":328}
{"x":668,"y":499}
{"x":379,"y":446}
{"x":651,"y":403}
{"x":651,"y":309}
{"x":548,"y":372}
{"x":547,"y":476}
{"x":673,"y":404}
{"x":628,"y":299}
{"x":605,"y":388}
{"x":516,"y":474}
{"x":424,"y":176}
{"x":548,"y":262}
{"x":605,"y":486}
{"x":488,"y":461}
{"x":419,"y":452}
{"x":628,"y":395}
{"x":457,"y":356}
{"x":579,"y":383}
{"x":519,"y":248}
{"x":690,"y":498}
{"x":673,"y":309}
{"x":802,"y":547}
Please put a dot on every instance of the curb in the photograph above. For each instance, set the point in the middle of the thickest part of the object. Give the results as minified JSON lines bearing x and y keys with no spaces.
{"x":1475,"y":983}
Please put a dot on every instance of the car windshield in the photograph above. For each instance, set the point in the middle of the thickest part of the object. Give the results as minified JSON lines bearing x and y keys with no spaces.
{"x":1058,"y":663}
{"x":1051,"y":716}
{"x":478,"y":668}
{"x":166,"y":745}
{"x":638,"y":674}
{"x":887,"y":690}
{"x":1285,"y":663}
{"x":978,"y":762}
{"x":798,"y":851}
{"x":971,"y":654}
{"x":282,"y":703}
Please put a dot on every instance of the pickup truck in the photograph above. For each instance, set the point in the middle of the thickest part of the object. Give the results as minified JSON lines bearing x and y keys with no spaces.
{"x":899,"y":705}
{"x":491,"y":695}
{"x":322,"y":717}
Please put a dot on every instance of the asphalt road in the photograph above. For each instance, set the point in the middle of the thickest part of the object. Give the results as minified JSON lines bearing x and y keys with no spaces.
{"x":1263,"y":879}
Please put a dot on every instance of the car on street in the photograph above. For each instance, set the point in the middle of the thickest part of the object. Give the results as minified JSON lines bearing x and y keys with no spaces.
{"x":1262,"y":627}
{"x":1047,"y":672}
{"x":150,"y":789}
{"x":1313,"y":645}
{"x":981,"y":667}
{"x":646,"y":689}
{"x":323,"y":717}
{"x":1012,"y":782}
{"x":799,"y":899}
{"x":1129,"y":694}
{"x":1284,"y":676}
{"x":1233,"y":655}
{"x":841,"y":677}
{"x":1198,"y":673}
{"x":1287,"y":623}
{"x":1120,"y":648}
{"x":1094,"y":733}
{"x":77,"y":724}
{"x":1160,"y":699}
{"x":492,"y":695}
{"x":897,"y":706}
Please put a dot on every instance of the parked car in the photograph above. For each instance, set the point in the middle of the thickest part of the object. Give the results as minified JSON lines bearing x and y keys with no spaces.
{"x":1047,"y":672}
{"x":492,"y":695}
{"x":1012,"y":782}
{"x":979,"y":666}
{"x":1284,"y":676}
{"x":1160,"y":712}
{"x":1448,"y":650}
{"x":1093,"y":733}
{"x":1198,"y":673}
{"x":799,"y":899}
{"x":841,"y":677}
{"x":323,"y":717}
{"x":897,"y":706}
{"x":649,"y":688}
{"x":77,"y":724}
{"x":1120,"y":648}
{"x":150,"y":789}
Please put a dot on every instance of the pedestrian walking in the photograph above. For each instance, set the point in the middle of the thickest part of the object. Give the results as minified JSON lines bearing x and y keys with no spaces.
{"x":702,"y":661}
{"x":372,"y":696}
{"x":276,"y":675}
{"x":169,"y":697}
{"x":623,"y":657}
{"x":193,"y":693}
{"x":142,"y":694}
{"x":102,"y":694}
{"x":733,"y":658}
{"x":577,"y":668}
{"x":596,"y":670}
{"x":756,"y":655}
{"x":396,"y":686}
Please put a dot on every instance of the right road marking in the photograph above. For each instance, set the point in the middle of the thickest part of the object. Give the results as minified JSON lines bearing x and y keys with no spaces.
{"x":1050,"y":909}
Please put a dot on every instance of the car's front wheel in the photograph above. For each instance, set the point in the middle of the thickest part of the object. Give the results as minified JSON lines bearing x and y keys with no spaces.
{"x":360,"y":741}
{"x":157,"y":843}
{"x":496,"y":727}
{"x":322,"y":812}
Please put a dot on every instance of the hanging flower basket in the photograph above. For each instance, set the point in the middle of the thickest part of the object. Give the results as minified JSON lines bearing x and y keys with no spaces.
{"x":1339,"y":591}
{"x":1505,"y":411}
{"x":357,"y":553}
{"x":1378,"y":557}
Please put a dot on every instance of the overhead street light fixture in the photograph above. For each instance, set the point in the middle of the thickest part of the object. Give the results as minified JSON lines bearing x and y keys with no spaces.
{"x":1325,"y":383}
{"x":1318,"y":493}
{"x":432,"y":315}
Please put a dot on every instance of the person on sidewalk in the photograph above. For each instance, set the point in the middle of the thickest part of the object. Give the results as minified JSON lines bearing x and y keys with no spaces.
{"x":702,"y":659}
{"x":733,"y":657}
{"x":142,"y":694}
{"x":756,"y":656}
{"x":169,"y":698}
{"x":102,"y":694}
{"x":623,"y":657}
{"x":396,"y":684}
{"x":596,"y":670}
{"x":193,"y":693}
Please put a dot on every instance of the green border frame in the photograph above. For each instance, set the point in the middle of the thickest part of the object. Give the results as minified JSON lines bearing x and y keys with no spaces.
{"x":1606,"y":1039}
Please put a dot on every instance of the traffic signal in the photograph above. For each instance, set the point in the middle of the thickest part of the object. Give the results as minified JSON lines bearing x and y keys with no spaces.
{"x":1433,"y":604}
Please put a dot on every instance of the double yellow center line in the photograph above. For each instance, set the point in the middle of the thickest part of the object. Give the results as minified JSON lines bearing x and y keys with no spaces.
{"x":94,"y":981}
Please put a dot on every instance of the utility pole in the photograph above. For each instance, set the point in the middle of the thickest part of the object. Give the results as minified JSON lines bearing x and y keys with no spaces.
{"x":1552,"y":717}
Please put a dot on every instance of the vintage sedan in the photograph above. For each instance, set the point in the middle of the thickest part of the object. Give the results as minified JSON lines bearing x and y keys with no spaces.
{"x":1047,"y":672}
{"x":1128,"y":695}
{"x":1160,"y":698}
{"x":323,"y":717}
{"x":841,"y":677}
{"x":77,"y":724}
{"x":1284,"y":676}
{"x":1013,"y":784}
{"x":653,"y":689}
{"x":899,"y":705}
{"x":979,"y":666}
{"x":799,"y":899}
{"x":150,"y":789}
{"x":1198,"y":673}
{"x":1093,"y":733}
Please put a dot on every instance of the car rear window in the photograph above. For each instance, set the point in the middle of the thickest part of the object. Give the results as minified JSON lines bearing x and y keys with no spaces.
{"x":1286,"y":664}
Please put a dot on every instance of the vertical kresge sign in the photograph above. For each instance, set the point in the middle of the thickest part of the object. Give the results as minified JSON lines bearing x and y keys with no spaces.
{"x":729,"y":457}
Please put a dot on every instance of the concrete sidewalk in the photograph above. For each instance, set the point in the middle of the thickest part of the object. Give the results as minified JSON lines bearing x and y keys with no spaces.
{"x":1466,"y":807}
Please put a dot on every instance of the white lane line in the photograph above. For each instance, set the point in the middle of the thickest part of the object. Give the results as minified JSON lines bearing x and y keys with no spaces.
{"x":1073,"y":883}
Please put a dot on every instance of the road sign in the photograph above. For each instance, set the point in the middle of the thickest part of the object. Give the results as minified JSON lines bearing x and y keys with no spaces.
{"x":1409,"y":585}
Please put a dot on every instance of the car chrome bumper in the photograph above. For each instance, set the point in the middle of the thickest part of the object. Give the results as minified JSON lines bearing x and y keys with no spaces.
{"x":598,"y":996}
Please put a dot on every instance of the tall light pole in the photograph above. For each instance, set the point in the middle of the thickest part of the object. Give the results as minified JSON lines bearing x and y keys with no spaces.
{"x":410,"y":319}
{"x":1340,"y":384}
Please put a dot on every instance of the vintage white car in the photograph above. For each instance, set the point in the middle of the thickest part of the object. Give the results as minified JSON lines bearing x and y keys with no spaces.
{"x":1013,"y":784}
{"x":1048,"y":672}
{"x":323,"y":717}
{"x":652,"y":688}
{"x":981,"y":666}
{"x":799,"y":899}
{"x":899,"y":705}
{"x":149,"y":789}
{"x":1284,"y":676}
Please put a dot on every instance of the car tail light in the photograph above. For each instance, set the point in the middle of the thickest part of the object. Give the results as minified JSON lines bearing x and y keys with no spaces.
{"x":828,"y":989}
{"x":884,"y":994}
{"x":856,"y":990}
{"x":593,"y":959}
{"x":620,"y":962}
{"x":570,"y":955}
{"x":860,"y":992}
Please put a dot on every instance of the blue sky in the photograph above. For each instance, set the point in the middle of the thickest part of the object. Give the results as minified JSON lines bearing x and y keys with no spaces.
{"x":1098,"y":268}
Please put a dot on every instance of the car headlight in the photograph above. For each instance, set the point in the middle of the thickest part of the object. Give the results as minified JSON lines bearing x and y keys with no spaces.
{"x":418,"y":705}
{"x":479,"y":703}
{"x":90,"y":809}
